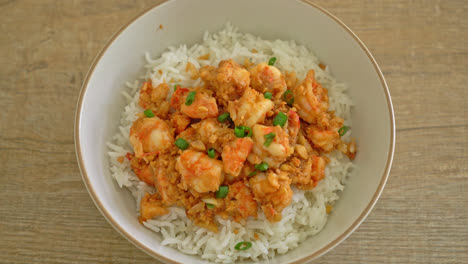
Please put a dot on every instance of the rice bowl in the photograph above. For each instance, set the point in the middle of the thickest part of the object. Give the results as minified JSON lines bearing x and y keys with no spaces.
{"x":306,"y":215}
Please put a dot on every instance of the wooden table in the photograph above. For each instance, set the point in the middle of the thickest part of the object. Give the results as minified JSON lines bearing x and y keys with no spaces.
{"x":47,"y":216}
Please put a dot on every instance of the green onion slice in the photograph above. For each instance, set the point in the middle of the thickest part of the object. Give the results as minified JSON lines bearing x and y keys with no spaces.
{"x":249,"y":134}
{"x":224,"y":117}
{"x":190,"y":98}
{"x":342,"y":131}
{"x":222,"y":192}
{"x":181,"y":143}
{"x":268,"y":95}
{"x":288,"y":96}
{"x":244,"y":245}
{"x":269,"y":138}
{"x":272,"y":61}
{"x":262,"y":166}
{"x":175,"y":87}
{"x":149,"y":113}
{"x":211,"y":153}
{"x":239,"y":131}
{"x":210,"y":206}
{"x":280,"y":119}
{"x":253,"y":173}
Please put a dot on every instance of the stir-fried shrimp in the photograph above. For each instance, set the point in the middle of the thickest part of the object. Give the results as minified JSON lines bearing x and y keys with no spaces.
{"x":154,"y":98}
{"x":291,"y":80}
{"x":294,"y":124}
{"x":250,"y":109}
{"x":143,"y":170}
{"x":194,"y":104}
{"x":273,"y":192}
{"x":150,"y":95}
{"x":213,"y":134}
{"x":199,"y":172}
{"x":232,"y":164}
{"x":325,"y":140}
{"x":311,"y":98}
{"x":180,"y":122}
{"x":306,"y":174}
{"x":240,"y":203}
{"x":202,"y":216}
{"x":151,"y":206}
{"x":318,"y":168}
{"x":150,"y":135}
{"x":234,"y":155}
{"x":277,"y":150}
{"x":265,"y":78}
{"x":166,"y":179}
{"x":228,"y":81}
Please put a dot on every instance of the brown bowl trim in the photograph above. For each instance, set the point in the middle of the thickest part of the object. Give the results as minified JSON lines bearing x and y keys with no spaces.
{"x":154,"y":254}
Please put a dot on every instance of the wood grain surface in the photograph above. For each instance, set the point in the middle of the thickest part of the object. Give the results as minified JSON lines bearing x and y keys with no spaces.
{"x":47,"y":216}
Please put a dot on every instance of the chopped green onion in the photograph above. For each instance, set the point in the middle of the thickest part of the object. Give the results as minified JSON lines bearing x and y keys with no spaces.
{"x":243,"y":245}
{"x":342,"y":131}
{"x":272,"y":61}
{"x":190,"y":98}
{"x":288,"y":96}
{"x":210,"y":206}
{"x":175,"y":87}
{"x":269,"y":138}
{"x":250,"y":131}
{"x":280,"y":119}
{"x":239,"y":131}
{"x":149,"y":113}
{"x":211,"y":153}
{"x":262,"y":166}
{"x":268,"y":95}
{"x":181,"y":143}
{"x":222,"y":192}
{"x":253,"y":173}
{"x":224,"y":117}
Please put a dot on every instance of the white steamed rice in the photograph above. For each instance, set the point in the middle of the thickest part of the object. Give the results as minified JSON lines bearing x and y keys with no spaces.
{"x":305,"y":216}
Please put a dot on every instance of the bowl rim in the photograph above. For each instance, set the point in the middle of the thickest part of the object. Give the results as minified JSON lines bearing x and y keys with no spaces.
{"x":108,"y":216}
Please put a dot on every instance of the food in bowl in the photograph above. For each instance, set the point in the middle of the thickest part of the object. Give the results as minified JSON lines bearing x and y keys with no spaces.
{"x":235,"y":148}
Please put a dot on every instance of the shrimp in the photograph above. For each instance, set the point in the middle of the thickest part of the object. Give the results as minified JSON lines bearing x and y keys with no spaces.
{"x":307,"y":174}
{"x":318,"y":168}
{"x":228,"y":81}
{"x":294,"y":124}
{"x":240,"y":203}
{"x":150,"y":95}
{"x":234,"y":155}
{"x":142,"y":170}
{"x":291,"y":79}
{"x":265,"y":78}
{"x":311,"y":98}
{"x":199,"y":172}
{"x":202,"y":216}
{"x":274,"y":153}
{"x":324,"y":139}
{"x":273,"y":192}
{"x":166,"y":179}
{"x":180,"y":122}
{"x":202,"y":106}
{"x":213,"y":134}
{"x":150,"y":135}
{"x":150,"y":207}
{"x":154,"y":98}
{"x":250,"y":109}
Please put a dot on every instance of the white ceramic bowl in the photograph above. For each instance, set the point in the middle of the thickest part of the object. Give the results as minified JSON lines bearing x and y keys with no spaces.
{"x":184,"y":21}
